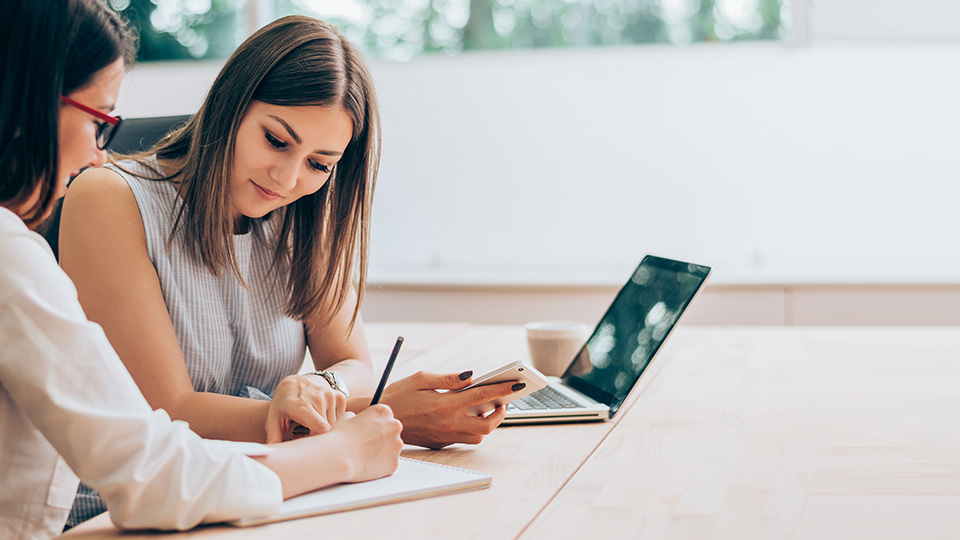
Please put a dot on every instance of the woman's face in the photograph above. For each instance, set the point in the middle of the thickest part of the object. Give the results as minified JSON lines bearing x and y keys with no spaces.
{"x":78,"y":129}
{"x":284,"y":153}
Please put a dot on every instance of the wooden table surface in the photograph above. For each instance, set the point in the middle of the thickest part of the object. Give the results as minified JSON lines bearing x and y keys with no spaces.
{"x":773,"y":432}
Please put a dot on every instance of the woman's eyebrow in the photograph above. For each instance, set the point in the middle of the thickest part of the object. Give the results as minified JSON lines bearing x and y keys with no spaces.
{"x":300,"y":141}
{"x":288,"y":128}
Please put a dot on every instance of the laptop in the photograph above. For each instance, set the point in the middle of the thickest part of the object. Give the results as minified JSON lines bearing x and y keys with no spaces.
{"x":625,"y":341}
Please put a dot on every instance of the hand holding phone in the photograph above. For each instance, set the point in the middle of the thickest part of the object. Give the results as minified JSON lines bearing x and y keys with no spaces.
{"x":516,"y":372}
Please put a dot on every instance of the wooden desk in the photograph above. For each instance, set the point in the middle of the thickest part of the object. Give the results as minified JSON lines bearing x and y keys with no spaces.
{"x":739,"y":433}
{"x":781,"y":433}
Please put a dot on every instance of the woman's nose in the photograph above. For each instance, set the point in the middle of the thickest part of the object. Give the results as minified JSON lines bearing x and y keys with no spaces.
{"x":99,"y":158}
{"x":285,"y":174}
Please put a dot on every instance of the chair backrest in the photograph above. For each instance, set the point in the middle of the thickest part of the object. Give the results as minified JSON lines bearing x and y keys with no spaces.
{"x":135,"y":135}
{"x":138,"y":134}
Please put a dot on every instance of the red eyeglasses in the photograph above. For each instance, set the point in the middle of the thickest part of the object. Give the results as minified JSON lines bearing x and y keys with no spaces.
{"x":106,"y":130}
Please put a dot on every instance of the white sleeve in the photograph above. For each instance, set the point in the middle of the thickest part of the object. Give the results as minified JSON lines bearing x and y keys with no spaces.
{"x":62,"y":372}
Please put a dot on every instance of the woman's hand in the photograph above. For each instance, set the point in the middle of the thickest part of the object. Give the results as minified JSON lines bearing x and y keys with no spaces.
{"x":360,"y":447}
{"x":307,"y":400}
{"x":373,"y":442}
{"x":437,"y":419}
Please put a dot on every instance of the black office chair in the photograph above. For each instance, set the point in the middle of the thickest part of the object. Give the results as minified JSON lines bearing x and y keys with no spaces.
{"x":135,"y":135}
{"x":138,"y":134}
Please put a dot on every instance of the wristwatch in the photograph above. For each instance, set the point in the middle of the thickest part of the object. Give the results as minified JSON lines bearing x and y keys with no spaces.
{"x":334,"y":380}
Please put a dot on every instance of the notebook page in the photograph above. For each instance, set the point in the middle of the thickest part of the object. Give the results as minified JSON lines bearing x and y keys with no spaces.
{"x":413,"y":479}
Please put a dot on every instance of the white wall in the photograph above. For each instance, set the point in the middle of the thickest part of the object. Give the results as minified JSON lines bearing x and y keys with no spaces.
{"x":828,"y":164}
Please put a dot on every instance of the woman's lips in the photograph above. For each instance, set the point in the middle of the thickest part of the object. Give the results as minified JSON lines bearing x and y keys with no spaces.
{"x":265,"y":193}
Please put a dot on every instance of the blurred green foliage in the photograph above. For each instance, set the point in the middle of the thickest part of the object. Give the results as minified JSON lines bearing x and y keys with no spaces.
{"x":402,"y":29}
{"x":184,"y":29}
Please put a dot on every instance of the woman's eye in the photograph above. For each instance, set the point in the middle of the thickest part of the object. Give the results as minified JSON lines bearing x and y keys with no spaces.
{"x":317,"y":166}
{"x":274,"y":142}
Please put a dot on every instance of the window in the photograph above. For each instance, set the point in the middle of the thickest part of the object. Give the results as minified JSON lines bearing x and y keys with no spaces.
{"x":185,"y":29}
{"x":403,"y":29}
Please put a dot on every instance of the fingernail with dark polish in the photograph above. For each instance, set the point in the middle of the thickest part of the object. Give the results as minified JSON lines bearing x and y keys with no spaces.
{"x":518,"y":386}
{"x":466,"y":375}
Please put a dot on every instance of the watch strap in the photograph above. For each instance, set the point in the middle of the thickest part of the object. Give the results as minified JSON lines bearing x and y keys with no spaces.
{"x":334,"y":380}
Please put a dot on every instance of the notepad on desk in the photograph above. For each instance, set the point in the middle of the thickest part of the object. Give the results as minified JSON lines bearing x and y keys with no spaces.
{"x":413,"y":479}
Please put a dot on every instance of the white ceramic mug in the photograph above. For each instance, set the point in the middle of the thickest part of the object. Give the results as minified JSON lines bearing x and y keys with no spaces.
{"x":553,"y":344}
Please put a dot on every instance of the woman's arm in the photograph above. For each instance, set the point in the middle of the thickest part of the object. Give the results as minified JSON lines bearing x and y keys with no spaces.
{"x":430,"y":418}
{"x":103,"y":249}
{"x":61,"y":372}
{"x":336,"y":346}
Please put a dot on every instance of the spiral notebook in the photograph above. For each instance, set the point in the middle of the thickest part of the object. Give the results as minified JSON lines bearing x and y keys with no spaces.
{"x":414,"y":479}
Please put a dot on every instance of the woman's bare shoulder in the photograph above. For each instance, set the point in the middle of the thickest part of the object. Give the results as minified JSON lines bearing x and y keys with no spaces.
{"x":100,"y":199}
{"x":99,"y":184}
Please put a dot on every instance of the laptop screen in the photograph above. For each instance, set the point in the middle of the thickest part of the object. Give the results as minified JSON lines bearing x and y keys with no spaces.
{"x":634,"y":327}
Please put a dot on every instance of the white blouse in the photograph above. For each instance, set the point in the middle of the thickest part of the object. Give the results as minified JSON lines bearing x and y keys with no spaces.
{"x":68,"y":405}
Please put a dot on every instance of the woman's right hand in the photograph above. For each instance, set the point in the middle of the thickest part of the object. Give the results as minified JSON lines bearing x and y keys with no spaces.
{"x":358,"y":448}
{"x":373,"y":442}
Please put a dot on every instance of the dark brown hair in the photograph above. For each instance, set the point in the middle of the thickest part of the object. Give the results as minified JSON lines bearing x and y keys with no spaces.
{"x":50,"y":49}
{"x":323,"y":238}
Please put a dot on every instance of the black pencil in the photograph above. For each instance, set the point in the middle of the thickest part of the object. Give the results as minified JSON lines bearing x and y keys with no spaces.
{"x":386,"y":371}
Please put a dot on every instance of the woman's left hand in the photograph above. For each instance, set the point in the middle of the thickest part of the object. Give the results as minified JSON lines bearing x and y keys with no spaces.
{"x":437,"y":419}
{"x":307,"y":400}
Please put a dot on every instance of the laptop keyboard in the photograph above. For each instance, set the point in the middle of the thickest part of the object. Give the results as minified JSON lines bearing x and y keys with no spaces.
{"x":545,"y":398}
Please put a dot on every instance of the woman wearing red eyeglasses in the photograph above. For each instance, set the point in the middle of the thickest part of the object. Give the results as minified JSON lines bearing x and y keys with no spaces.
{"x":68,"y":408}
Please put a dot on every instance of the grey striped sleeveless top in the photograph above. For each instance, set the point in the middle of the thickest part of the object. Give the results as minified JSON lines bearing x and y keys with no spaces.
{"x":235,"y":340}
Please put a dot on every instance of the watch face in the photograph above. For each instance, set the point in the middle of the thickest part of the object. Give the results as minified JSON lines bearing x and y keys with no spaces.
{"x":336,"y":382}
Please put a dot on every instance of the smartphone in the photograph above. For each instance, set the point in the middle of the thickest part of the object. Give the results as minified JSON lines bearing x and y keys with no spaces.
{"x":517,"y":371}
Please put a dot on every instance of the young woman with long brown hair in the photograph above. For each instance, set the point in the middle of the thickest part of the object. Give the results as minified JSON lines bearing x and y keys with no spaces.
{"x":215,"y":259}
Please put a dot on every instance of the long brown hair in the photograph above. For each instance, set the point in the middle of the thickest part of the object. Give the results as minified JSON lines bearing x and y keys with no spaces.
{"x":323,"y":238}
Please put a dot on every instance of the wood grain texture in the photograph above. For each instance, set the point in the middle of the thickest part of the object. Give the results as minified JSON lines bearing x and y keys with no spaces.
{"x":781,"y":433}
